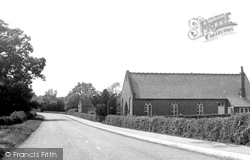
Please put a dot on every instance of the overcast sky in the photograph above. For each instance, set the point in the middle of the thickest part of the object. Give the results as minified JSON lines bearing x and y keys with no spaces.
{"x":96,"y":41}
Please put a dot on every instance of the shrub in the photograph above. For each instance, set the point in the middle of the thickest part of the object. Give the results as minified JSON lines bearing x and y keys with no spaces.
{"x":87,"y":116}
{"x":4,"y":120}
{"x":71,"y":111}
{"x":31,"y":114}
{"x":17,"y":117}
{"x":100,"y":118}
{"x":196,"y":116}
{"x":234,"y":129}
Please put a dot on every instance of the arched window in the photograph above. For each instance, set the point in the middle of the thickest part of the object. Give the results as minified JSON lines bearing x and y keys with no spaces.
{"x":129,"y":102}
{"x":123,"y":111}
{"x":174,"y":107}
{"x":148,"y":109}
{"x":200,"y":108}
{"x":130,"y":105}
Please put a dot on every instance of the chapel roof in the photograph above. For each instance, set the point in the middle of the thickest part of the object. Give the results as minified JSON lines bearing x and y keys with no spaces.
{"x":185,"y":85}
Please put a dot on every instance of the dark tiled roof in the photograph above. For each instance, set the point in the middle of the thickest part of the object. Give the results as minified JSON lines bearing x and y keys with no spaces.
{"x":185,"y":86}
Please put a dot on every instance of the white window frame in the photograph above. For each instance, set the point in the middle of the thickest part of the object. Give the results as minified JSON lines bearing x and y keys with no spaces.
{"x":221,"y":104}
{"x":174,"y":109}
{"x":200,"y":108}
{"x":148,"y":109}
{"x":245,"y":110}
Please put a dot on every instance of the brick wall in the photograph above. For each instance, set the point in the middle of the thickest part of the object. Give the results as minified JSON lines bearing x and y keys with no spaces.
{"x":87,"y":108}
{"x":126,"y":98}
{"x":185,"y":107}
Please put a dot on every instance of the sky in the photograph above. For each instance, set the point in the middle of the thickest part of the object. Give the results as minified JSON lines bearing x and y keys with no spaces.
{"x":97,"y":41}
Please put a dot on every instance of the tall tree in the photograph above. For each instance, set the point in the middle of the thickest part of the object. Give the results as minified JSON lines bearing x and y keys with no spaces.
{"x":115,"y":91}
{"x":16,"y":64}
{"x":17,"y":70}
{"x":100,"y":101}
{"x":50,"y":95}
{"x":115,"y":88}
{"x":79,"y":91}
{"x":49,"y":101}
{"x":83,"y":88}
{"x":15,"y":97}
{"x":72,"y":101}
{"x":105,"y":102}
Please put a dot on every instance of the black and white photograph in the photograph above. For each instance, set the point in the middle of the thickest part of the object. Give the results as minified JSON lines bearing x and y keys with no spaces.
{"x":127,"y":80}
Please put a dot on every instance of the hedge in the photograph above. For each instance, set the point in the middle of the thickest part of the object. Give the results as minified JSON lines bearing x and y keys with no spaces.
{"x":17,"y":117}
{"x":71,"y":111}
{"x":200,"y":116}
{"x":234,"y":129}
{"x":87,"y":116}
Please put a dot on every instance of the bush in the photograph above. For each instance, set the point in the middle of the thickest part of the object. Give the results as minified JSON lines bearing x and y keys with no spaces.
{"x":57,"y":105}
{"x":17,"y":117}
{"x":6,"y":120}
{"x":234,"y":129}
{"x":71,"y":111}
{"x":31,"y":114}
{"x":87,"y":116}
{"x":196,"y":116}
{"x":99,"y":118}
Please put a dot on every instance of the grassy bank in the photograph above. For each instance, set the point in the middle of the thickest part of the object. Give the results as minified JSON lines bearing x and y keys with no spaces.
{"x":12,"y":135}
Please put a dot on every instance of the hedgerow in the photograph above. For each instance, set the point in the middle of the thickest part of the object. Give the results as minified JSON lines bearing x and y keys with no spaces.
{"x":87,"y":116}
{"x":234,"y":129}
{"x":17,"y":117}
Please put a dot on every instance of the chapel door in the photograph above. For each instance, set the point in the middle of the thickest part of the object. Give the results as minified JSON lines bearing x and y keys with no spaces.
{"x":221,"y":108}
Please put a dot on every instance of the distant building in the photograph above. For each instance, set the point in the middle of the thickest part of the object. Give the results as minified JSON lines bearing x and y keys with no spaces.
{"x":185,"y":94}
{"x":85,"y":105}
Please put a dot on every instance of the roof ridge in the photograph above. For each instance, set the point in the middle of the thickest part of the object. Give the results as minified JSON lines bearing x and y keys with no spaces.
{"x":160,"y":73}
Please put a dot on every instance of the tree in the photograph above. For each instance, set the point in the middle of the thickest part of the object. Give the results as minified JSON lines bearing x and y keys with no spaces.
{"x":15,"y":97}
{"x":17,"y":70}
{"x":100,"y":101}
{"x":81,"y":90}
{"x":72,"y":101}
{"x":105,"y":102}
{"x":60,"y":104}
{"x":16,"y":64}
{"x":115,"y":88}
{"x":50,"y":95}
{"x":50,"y":102}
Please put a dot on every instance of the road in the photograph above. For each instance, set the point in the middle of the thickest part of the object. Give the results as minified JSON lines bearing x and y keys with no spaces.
{"x":82,"y":142}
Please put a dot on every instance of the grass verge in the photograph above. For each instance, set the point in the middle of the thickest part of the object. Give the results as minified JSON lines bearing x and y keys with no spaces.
{"x":11,"y":136}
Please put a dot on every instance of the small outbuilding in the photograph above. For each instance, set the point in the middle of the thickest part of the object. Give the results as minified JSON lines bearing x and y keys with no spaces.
{"x":85,"y":105}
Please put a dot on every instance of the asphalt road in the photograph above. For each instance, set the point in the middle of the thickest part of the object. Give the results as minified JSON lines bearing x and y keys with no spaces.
{"x":82,"y":142}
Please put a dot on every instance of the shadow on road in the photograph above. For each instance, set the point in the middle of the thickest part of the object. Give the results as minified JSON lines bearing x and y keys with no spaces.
{"x":55,"y":120}
{"x":40,"y":118}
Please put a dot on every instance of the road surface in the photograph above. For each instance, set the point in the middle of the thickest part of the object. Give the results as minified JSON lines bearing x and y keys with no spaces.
{"x":82,"y":142}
